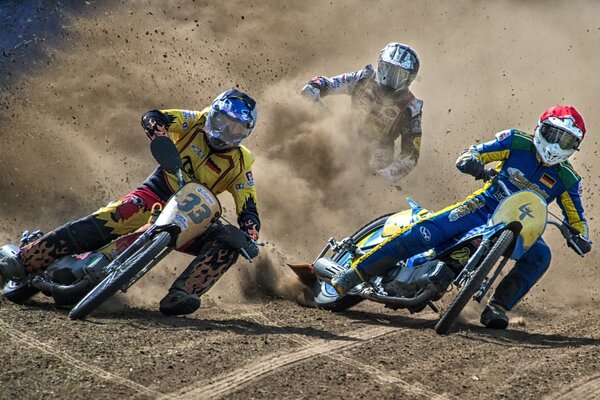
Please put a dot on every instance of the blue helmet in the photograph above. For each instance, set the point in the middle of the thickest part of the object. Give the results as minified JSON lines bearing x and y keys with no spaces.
{"x":230,"y":120}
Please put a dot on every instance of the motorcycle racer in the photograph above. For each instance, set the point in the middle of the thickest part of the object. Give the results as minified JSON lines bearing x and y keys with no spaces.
{"x":537,"y":162}
{"x":209,"y":143}
{"x":391,"y":110}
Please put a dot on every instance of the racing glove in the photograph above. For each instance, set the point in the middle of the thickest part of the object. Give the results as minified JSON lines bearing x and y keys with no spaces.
{"x":584,"y":244}
{"x":312,"y":93}
{"x":467,"y":164}
{"x":397,"y":169}
{"x":381,"y":158}
{"x":155,"y":122}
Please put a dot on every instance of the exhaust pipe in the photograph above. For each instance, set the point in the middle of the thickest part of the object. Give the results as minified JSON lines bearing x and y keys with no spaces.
{"x":402,"y":302}
{"x":62,"y":293}
{"x":326,"y":269}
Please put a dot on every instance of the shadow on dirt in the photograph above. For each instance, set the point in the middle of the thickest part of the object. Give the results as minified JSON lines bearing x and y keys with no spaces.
{"x":144,"y":319}
{"x":518,"y":338}
{"x":399,"y":321}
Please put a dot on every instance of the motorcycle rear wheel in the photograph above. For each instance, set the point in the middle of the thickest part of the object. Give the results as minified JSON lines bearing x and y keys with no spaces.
{"x":18,"y":293}
{"x":325,"y":296}
{"x":121,"y":276}
{"x":504,"y":241}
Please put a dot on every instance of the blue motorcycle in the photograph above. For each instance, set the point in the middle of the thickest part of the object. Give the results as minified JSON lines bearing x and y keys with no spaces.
{"x":470,"y":262}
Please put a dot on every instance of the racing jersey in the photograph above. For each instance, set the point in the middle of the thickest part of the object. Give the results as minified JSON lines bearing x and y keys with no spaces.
{"x":388,"y":114}
{"x":522,"y":168}
{"x":219,"y":171}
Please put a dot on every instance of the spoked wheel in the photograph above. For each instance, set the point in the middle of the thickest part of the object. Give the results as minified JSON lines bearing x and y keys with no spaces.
{"x":325,"y":295}
{"x":504,"y":241}
{"x":122,"y":275}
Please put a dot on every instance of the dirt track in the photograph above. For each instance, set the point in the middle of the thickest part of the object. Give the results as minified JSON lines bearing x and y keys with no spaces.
{"x":278,"y":350}
{"x":74,"y":81}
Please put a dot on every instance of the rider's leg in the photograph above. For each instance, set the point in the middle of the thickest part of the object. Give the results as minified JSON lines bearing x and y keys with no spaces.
{"x":526,"y":272}
{"x":91,"y":232}
{"x":213,"y":260}
{"x":414,"y":239}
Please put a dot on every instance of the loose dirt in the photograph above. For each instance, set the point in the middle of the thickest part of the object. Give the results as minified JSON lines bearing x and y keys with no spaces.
{"x":76,"y":76}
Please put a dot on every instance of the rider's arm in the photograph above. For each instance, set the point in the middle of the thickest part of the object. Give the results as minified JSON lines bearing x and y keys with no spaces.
{"x":320,"y":86}
{"x":473,"y":160}
{"x":410,"y":132}
{"x":174,"y":123}
{"x":572,"y":207}
{"x":244,"y":194}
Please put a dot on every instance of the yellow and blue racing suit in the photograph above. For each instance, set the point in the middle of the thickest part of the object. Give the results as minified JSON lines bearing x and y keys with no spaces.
{"x":521,"y":169}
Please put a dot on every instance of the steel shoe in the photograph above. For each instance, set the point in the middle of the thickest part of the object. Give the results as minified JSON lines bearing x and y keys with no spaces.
{"x":179,"y":302}
{"x":494,"y":317}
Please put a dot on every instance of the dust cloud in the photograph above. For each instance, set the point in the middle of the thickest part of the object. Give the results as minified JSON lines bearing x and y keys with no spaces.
{"x":71,"y":140}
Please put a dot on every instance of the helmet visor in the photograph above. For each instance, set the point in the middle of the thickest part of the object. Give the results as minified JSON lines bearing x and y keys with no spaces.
{"x":392,"y":75}
{"x":565,"y":139}
{"x":226,"y":129}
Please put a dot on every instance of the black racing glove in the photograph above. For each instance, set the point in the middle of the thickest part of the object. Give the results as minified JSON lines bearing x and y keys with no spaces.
{"x":155,"y":122}
{"x":468,"y":164}
{"x":584,"y":245}
{"x":488,"y":174}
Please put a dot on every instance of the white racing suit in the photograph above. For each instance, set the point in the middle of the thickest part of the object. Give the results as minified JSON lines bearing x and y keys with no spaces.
{"x":388,"y":114}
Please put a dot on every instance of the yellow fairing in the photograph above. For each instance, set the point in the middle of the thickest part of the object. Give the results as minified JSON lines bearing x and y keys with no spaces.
{"x":526,"y":207}
{"x":396,"y":222}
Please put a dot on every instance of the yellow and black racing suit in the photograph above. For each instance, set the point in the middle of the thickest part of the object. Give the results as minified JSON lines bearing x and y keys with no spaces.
{"x":220,"y":171}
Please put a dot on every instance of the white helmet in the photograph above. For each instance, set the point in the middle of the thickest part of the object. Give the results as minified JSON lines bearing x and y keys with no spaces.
{"x":397,"y":66}
{"x":558,"y":134}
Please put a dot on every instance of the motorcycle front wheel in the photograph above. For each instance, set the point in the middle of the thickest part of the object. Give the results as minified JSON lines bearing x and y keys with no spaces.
{"x":504,"y":241}
{"x":325,"y":295}
{"x":121,"y":276}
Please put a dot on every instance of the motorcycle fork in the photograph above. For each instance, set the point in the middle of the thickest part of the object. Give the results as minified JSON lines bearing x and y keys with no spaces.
{"x":465,"y":274}
{"x":488,"y":282}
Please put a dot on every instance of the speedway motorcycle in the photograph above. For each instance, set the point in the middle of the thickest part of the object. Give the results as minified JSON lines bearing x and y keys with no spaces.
{"x":471,"y":262}
{"x":88,"y":280}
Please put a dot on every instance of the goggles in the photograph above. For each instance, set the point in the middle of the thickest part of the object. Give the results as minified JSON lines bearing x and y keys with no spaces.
{"x":553,"y":134}
{"x":393,"y":75}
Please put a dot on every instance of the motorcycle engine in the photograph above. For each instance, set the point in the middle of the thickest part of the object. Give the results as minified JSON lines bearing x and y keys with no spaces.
{"x":406,"y":282}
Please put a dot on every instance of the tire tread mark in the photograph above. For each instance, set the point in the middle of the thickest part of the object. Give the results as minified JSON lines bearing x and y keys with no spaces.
{"x":98,"y":372}
{"x":585,"y":389}
{"x":235,"y":380}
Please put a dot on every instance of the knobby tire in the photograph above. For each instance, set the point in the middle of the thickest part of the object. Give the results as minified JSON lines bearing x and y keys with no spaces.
{"x":121,"y":276}
{"x":503,"y":242}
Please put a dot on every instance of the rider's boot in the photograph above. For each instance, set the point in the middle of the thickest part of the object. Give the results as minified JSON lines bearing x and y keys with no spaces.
{"x":494,"y":316}
{"x":345,"y":280}
{"x":11,"y":268}
{"x":179,"y":302}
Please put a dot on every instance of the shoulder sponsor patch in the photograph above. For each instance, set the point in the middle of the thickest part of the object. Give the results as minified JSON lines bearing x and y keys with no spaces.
{"x":239,"y":186}
{"x":250,"y":178}
{"x":503,"y":135}
{"x":190,"y":114}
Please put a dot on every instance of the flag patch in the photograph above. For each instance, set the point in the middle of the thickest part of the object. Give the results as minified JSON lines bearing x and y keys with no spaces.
{"x":547,"y":180}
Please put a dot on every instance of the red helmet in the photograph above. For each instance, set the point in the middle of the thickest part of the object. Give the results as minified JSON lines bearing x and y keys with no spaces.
{"x":558,"y":134}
